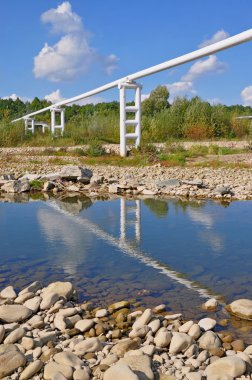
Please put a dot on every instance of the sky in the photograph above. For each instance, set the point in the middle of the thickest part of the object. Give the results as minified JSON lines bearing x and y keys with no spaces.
{"x":59,"y":49}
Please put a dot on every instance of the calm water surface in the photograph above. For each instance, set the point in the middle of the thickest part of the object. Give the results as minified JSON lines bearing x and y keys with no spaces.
{"x":153,"y":251}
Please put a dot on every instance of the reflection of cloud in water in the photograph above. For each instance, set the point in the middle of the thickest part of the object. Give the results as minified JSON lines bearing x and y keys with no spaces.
{"x":200,"y":216}
{"x":215,"y":240}
{"x":75,"y":241}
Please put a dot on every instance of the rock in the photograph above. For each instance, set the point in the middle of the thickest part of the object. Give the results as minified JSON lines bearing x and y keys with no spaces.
{"x":229,"y":366}
{"x":34,"y":287}
{"x":62,"y":289}
{"x":73,"y":173}
{"x":8,"y":292}
{"x":139,"y":332}
{"x":30,"y":177}
{"x":195,"y":331}
{"x":123,"y":346}
{"x":59,"y":322}
{"x":163,"y":338}
{"x":14,"y":313}
{"x":241,"y":308}
{"x":194,"y":376}
{"x":15,"y":336}
{"x":10,"y":359}
{"x":144,"y":319}
{"x":113,"y":188}
{"x":110,"y":359}
{"x":53,"y":368}
{"x":118,"y":305}
{"x":33,"y":303}
{"x":101,"y":313}
{"x":16,"y":186}
{"x":210,"y":304}
{"x":223,"y":190}
{"x":238,"y":345}
{"x":209,"y":340}
{"x":186,"y":327}
{"x":36,"y":322}
{"x":31,"y":370}
{"x":27,"y":343}
{"x":154,"y":325}
{"x":141,"y":365}
{"x":24,"y":297}
{"x":48,"y":300}
{"x":84,"y":325}
{"x":81,"y":374}
{"x":179,"y":343}
{"x":173,"y":182}
{"x":248,"y":350}
{"x":48,"y":186}
{"x":159,"y":308}
{"x":120,"y":371}
{"x":88,"y":345}
{"x":68,"y":358}
{"x":207,"y":324}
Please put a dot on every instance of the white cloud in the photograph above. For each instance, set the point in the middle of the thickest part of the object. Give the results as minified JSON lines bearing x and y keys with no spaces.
{"x":181,"y":88}
{"x":72,"y":56}
{"x":206,"y":66}
{"x":54,"y":97}
{"x":246,"y":95}
{"x":14,"y":97}
{"x":218,"y":36}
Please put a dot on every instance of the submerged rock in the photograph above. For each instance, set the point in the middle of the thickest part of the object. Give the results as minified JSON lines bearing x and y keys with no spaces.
{"x":241,"y":308}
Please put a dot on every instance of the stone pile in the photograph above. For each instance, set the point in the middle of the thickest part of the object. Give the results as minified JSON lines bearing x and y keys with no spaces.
{"x":147,"y":181}
{"x":46,"y":334}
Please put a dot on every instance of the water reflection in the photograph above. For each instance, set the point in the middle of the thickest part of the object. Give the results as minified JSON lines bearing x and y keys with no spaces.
{"x":125,"y":245}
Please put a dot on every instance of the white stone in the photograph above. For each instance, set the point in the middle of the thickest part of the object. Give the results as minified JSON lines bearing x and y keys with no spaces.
{"x":84,"y":325}
{"x":15,"y":336}
{"x":207,"y":324}
{"x":48,"y":300}
{"x":81,"y":374}
{"x":10,"y":359}
{"x":186,"y":327}
{"x":139,"y":364}
{"x":242,"y":308}
{"x":88,"y":345}
{"x":120,"y":372}
{"x":31,"y":370}
{"x":33,"y":303}
{"x":68,"y":358}
{"x":8,"y":292}
{"x":195,"y":331}
{"x":228,"y":366}
{"x":139,"y":332}
{"x":101,"y":313}
{"x":209,"y":340}
{"x":210,"y":304}
{"x":180,"y":342}
{"x":53,"y":368}
{"x":27,"y":343}
{"x":154,"y":325}
{"x":59,"y":322}
{"x":62,"y":289}
{"x":24,"y":297}
{"x":143,"y":320}
{"x":14,"y":313}
{"x":163,"y":338}
{"x":110,"y":359}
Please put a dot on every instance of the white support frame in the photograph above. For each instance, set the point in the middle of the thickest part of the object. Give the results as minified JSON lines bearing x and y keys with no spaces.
{"x":55,"y":126}
{"x":124,"y":122}
{"x":192,"y":56}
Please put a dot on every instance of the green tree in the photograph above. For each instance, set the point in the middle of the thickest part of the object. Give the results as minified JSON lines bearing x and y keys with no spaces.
{"x":157,"y":101}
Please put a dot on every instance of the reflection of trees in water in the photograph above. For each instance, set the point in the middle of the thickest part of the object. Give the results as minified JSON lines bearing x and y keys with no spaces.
{"x":158,"y":207}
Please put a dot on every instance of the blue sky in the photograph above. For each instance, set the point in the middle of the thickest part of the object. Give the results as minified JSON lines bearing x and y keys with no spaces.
{"x":61,"y":49}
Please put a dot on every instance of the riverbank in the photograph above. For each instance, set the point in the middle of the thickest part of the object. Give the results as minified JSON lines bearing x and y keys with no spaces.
{"x":46,"y":334}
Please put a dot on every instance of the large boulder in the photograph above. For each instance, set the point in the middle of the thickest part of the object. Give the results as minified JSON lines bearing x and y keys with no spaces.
{"x":16,"y":186}
{"x":14,"y":313}
{"x":74,"y":173}
{"x":229,"y":366}
{"x":120,"y":371}
{"x":241,"y":308}
{"x":140,"y":364}
{"x":10,"y":359}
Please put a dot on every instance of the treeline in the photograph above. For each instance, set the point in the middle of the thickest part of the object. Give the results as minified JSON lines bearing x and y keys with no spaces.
{"x":192,"y":119}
